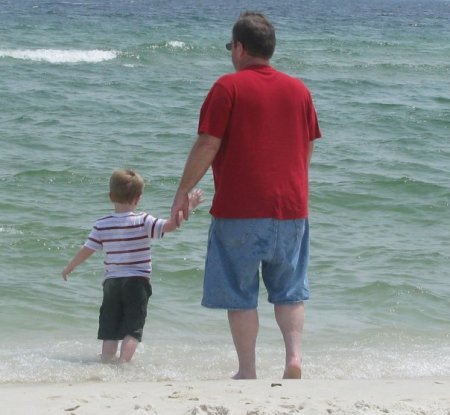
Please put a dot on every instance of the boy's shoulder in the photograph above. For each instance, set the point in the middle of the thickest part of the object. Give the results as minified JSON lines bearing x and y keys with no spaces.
{"x":123,"y":215}
{"x":103,"y":219}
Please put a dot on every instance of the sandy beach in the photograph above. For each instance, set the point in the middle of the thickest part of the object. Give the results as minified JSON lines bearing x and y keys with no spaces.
{"x":261,"y":397}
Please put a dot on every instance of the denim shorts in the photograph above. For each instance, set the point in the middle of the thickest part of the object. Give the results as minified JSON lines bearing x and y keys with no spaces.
{"x":124,"y":308}
{"x":239,"y":250}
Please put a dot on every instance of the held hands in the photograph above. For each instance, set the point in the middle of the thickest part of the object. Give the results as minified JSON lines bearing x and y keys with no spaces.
{"x":183,"y":203}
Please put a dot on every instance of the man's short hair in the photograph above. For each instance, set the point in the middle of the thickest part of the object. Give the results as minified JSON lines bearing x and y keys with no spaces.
{"x":125,"y":185}
{"x":256,"y":34}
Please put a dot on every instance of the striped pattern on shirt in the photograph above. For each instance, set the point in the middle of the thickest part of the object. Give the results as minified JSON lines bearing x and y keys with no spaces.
{"x":125,"y":240}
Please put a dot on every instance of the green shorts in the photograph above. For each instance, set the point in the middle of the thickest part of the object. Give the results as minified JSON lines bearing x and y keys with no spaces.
{"x":124,"y":308}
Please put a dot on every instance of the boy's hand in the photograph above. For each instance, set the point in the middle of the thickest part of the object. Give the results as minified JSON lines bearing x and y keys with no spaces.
{"x":65,"y":273}
{"x":83,"y":254}
{"x":195,"y":198}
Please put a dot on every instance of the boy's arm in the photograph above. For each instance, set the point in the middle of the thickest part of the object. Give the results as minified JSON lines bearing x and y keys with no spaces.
{"x":83,"y":254}
{"x":195,"y":198}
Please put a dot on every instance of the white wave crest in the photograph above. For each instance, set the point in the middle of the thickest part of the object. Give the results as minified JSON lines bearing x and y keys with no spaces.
{"x":9,"y":229}
{"x":59,"y":56}
{"x":176,"y":44}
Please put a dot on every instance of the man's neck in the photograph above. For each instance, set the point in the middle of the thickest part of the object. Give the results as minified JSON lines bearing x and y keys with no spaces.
{"x":252,"y":61}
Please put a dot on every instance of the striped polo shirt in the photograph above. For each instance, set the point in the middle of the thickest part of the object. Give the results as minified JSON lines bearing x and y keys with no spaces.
{"x":125,"y":240}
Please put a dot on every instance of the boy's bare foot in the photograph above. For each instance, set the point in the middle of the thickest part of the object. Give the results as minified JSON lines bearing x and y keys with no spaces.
{"x":109,"y":359}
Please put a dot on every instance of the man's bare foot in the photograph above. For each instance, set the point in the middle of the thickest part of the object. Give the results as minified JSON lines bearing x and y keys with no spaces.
{"x":238,"y":376}
{"x":292,"y":372}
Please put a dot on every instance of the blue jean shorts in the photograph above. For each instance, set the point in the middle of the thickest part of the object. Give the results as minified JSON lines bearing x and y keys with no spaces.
{"x":239,"y":250}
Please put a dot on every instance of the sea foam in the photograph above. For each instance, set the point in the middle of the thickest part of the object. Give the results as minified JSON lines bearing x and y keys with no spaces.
{"x":59,"y":55}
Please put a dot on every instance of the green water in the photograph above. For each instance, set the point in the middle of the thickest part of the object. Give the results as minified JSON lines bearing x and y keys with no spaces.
{"x":88,"y":87}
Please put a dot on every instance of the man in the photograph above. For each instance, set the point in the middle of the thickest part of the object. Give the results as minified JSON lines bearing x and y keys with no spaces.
{"x":256,"y":129}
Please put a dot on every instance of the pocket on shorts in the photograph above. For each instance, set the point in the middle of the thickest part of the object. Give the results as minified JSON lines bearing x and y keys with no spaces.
{"x":299,"y":229}
{"x":234,"y":233}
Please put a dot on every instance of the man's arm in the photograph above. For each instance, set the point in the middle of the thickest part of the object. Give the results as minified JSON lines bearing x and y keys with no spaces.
{"x":200,"y":158}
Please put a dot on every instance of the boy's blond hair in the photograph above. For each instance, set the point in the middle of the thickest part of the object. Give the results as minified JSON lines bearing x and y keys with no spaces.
{"x":125,"y":185}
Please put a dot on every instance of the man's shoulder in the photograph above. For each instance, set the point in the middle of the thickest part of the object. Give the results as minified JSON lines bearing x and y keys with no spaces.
{"x":294,"y":79}
{"x":223,"y":85}
{"x":226,"y":79}
{"x":236,"y":79}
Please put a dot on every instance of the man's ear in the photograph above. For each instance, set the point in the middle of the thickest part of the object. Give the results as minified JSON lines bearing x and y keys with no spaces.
{"x":239,"y":48}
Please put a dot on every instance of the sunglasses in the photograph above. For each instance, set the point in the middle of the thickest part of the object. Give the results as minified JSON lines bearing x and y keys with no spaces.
{"x":228,"y":46}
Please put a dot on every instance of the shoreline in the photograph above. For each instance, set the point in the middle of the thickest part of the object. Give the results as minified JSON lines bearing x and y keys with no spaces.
{"x":230,"y":397}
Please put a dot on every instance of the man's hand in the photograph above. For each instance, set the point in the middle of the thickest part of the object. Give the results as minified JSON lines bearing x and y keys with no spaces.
{"x":180,"y":204}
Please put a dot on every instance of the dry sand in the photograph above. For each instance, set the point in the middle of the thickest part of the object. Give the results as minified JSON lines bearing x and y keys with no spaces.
{"x":228,"y":397}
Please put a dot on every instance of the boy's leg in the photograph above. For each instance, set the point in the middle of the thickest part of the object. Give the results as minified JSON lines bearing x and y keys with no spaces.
{"x":109,"y":350}
{"x":135,"y":295}
{"x":127,"y":349}
{"x":109,"y":319}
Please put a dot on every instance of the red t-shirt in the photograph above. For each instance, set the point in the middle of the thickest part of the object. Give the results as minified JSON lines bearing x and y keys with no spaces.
{"x":265,"y":120}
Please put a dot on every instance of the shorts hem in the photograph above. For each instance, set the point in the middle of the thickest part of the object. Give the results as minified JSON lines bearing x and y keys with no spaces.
{"x":293,"y":302}
{"x":117,"y":339}
{"x":223,"y":307}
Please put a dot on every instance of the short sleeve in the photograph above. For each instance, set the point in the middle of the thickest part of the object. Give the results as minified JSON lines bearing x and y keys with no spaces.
{"x":313,"y":122}
{"x":154,"y":227}
{"x":215,"y":112}
{"x":93,"y":241}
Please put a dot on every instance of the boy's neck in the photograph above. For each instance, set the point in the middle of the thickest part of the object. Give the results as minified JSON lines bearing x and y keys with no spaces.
{"x":124,"y":207}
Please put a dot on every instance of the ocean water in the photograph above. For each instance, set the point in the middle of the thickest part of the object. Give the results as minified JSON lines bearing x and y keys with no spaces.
{"x":87,"y":86}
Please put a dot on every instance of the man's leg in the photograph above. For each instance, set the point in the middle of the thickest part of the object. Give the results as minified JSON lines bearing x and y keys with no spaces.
{"x":109,"y":350}
{"x":127,"y":349}
{"x":244,"y":325}
{"x":290,"y":319}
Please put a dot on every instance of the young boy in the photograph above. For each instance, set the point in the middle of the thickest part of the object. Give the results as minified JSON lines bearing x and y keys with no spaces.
{"x":125,"y":237}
